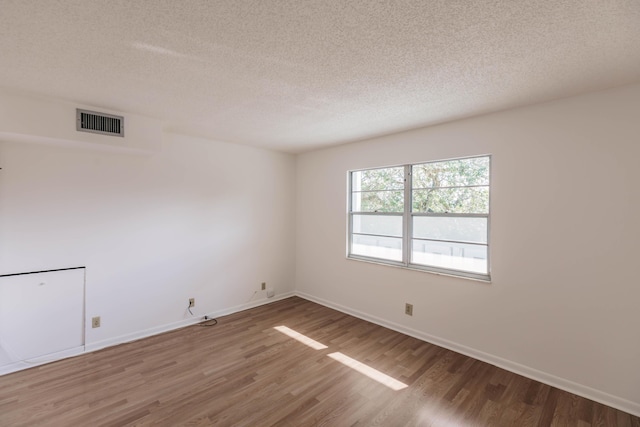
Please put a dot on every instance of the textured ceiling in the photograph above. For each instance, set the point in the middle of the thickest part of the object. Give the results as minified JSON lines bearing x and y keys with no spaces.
{"x":297,"y":75}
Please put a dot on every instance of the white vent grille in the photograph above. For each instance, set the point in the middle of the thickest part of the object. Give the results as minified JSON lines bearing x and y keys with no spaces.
{"x":104,"y":124}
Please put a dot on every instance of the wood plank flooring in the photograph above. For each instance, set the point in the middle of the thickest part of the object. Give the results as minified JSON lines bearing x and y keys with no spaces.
{"x":243,"y":372}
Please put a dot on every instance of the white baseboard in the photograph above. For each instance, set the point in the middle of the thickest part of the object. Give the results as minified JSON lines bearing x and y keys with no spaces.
{"x":526,"y":371}
{"x":40,"y":360}
{"x":110,"y":342}
{"x":181,"y":324}
{"x":252,"y":304}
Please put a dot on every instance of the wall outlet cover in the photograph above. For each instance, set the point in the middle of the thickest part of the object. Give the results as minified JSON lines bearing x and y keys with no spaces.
{"x":408,"y":309}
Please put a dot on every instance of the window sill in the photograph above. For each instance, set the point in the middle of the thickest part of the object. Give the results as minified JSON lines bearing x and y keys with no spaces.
{"x":486,"y":280}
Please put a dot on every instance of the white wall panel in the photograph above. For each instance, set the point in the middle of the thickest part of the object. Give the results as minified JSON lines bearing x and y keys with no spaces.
{"x":40,"y":314}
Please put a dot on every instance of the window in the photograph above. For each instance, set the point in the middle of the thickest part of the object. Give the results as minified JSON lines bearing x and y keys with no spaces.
{"x":430,"y":216}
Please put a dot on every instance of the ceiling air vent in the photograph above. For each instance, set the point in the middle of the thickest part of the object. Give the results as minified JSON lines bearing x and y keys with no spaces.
{"x":104,"y":124}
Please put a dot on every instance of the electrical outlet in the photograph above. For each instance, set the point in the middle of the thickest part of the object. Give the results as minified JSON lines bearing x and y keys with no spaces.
{"x":408,"y":309}
{"x":95,"y":322}
{"x":264,"y":286}
{"x":192,"y":302}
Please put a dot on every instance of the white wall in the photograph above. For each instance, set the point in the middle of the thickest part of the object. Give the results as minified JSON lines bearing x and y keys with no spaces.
{"x":191,"y":218}
{"x":563,"y":303}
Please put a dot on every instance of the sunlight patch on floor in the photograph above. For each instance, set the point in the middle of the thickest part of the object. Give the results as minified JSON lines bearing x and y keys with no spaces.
{"x":301,"y":338}
{"x":372,"y":373}
{"x":360,"y":367}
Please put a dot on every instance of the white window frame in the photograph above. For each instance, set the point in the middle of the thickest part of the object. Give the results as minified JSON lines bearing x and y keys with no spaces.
{"x":407,"y":223}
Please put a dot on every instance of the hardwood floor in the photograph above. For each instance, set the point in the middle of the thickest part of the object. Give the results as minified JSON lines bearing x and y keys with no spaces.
{"x":244,"y":372}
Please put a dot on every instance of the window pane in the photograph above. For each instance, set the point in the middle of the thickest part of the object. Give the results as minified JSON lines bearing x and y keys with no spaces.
{"x":389,"y":248}
{"x":378,"y":201}
{"x":448,"y":208}
{"x":378,"y":179}
{"x":452,"y":173}
{"x":378,"y":224}
{"x":450,"y":228}
{"x":452,"y":200}
{"x":457,"y":256}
